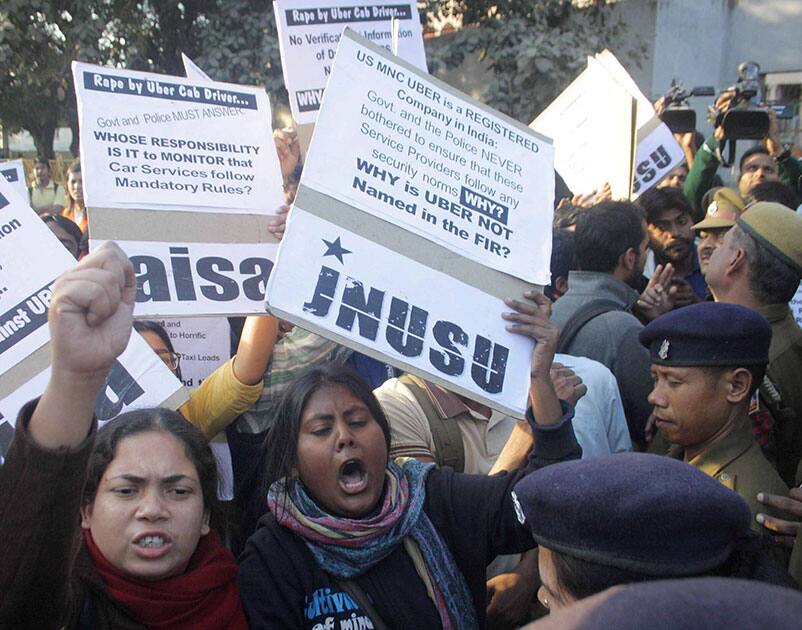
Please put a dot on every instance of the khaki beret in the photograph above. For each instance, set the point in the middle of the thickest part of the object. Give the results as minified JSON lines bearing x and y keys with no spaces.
{"x":776,"y":227}
{"x":723,"y":207}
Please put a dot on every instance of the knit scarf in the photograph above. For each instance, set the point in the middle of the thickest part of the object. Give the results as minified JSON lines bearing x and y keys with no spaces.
{"x":205,"y":597}
{"x":346,"y":548}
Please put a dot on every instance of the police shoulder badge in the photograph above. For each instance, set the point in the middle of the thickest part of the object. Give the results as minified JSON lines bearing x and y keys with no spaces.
{"x":663,"y":352}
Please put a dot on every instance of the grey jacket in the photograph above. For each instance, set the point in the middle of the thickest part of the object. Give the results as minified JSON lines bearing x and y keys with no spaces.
{"x":611,"y":339}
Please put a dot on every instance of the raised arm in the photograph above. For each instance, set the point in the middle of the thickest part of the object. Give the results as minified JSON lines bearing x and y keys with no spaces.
{"x":42,"y":481}
{"x":90,"y":324}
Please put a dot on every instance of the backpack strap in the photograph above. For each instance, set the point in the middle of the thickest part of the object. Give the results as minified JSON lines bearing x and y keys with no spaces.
{"x":445,"y":431}
{"x":586,"y":313}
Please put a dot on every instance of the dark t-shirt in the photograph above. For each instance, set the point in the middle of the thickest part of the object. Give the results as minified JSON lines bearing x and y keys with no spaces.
{"x":282,"y":585}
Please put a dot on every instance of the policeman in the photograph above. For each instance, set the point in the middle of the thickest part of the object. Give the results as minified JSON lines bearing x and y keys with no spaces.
{"x":759,"y":265}
{"x":707,"y":361}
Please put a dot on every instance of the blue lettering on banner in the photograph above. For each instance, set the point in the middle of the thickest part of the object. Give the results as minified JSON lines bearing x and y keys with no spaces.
{"x":113,"y":84}
{"x":24,"y":319}
{"x":360,"y":310}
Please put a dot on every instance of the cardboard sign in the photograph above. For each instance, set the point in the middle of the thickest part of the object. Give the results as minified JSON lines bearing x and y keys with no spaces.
{"x":309,"y":31}
{"x":658,"y":152}
{"x":204,"y":344}
{"x":594,"y":135}
{"x":31,"y":258}
{"x":377,"y":266}
{"x":14,"y":173}
{"x":392,"y":303}
{"x":156,"y":141}
{"x":591,"y":124}
{"x":416,"y":153}
{"x":184,"y":174}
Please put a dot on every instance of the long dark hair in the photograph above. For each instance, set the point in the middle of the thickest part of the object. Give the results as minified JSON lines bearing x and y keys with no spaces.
{"x":281,"y":446}
{"x":158,"y":419}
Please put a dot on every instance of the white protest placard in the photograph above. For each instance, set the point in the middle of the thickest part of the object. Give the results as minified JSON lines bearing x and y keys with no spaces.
{"x":309,"y":31}
{"x":390,"y":254}
{"x":183,"y":174}
{"x":204,"y":344}
{"x":413,"y":151}
{"x":400,"y":310}
{"x":658,"y":152}
{"x":31,"y":258}
{"x":591,"y":124}
{"x":14,"y":173}
{"x":157,"y":141}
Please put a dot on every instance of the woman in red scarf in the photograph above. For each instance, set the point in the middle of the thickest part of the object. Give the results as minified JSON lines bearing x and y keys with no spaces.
{"x":109,"y":528}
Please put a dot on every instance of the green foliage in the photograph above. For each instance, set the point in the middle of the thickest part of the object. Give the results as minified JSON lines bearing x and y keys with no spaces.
{"x":532,"y":49}
{"x":232,"y":40}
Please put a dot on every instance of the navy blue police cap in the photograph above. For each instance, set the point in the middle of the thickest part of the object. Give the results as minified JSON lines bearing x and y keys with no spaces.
{"x":708,"y":334}
{"x":645,"y":513}
{"x":712,"y":603}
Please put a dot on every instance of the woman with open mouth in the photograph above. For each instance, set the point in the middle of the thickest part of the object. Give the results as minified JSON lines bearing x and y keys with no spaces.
{"x":134,"y":499}
{"x":356,"y":540}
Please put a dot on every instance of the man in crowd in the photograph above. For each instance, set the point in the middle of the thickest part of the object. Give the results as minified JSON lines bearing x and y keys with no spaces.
{"x":46,"y":195}
{"x":668,"y":215}
{"x":594,"y":314}
{"x":723,"y":208}
{"x":759,"y":265}
{"x":707,"y":362}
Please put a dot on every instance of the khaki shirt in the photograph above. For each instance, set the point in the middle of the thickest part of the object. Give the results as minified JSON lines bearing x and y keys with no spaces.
{"x":738,"y":463}
{"x":785,"y":371}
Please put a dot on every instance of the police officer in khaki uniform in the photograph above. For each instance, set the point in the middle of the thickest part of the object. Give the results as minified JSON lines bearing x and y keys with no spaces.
{"x":759,"y":265}
{"x":707,"y":361}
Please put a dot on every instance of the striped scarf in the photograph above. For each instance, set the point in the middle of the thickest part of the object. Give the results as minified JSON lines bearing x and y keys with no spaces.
{"x":346,"y":548}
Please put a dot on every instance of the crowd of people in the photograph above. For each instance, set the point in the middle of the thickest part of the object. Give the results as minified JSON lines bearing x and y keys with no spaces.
{"x":653,"y":483}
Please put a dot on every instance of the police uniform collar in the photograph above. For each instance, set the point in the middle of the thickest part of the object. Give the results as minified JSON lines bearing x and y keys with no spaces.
{"x":726,"y":450}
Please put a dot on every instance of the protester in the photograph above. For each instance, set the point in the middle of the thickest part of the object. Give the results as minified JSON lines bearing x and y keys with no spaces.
{"x":611,"y":242}
{"x":709,"y":603}
{"x":759,"y":265}
{"x":66,"y":231}
{"x":135,"y":498}
{"x":668,"y":216}
{"x":75,"y":210}
{"x":588,"y":543}
{"x":348,"y":525}
{"x":46,"y":195}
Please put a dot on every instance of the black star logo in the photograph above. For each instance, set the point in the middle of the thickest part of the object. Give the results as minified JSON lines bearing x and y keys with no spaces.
{"x":335,"y":249}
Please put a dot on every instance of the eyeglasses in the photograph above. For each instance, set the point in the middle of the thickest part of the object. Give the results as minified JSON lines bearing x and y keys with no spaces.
{"x":171,"y":359}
